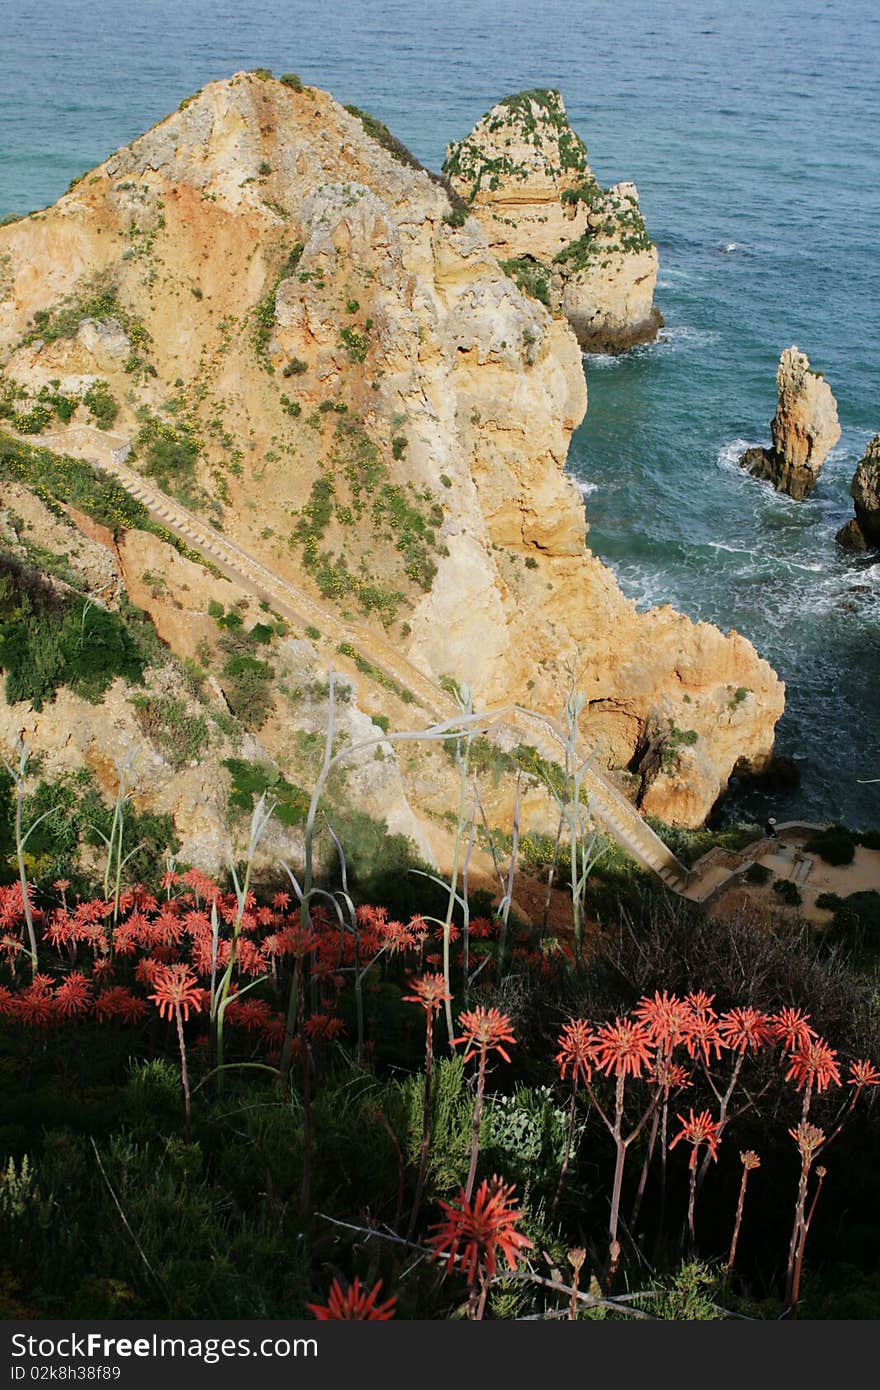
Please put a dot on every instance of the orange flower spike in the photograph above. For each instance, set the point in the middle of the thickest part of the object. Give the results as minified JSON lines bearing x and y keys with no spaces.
{"x":863,"y":1073}
{"x":576,"y":1050}
{"x":792,"y":1027}
{"x":484,"y":1030}
{"x":697,"y":1130}
{"x":742,"y":1029}
{"x":176,"y":987}
{"x":428,"y":990}
{"x":353,"y":1303}
{"x":703,"y":1036}
{"x":813,"y":1062}
{"x":665,"y":1016}
{"x":623,"y":1047}
{"x":478,"y":1232}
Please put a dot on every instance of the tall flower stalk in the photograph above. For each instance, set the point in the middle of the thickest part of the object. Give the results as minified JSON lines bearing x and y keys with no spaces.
{"x":176,"y":993}
{"x":621,"y":1049}
{"x":750,"y":1161}
{"x":576,"y":1044}
{"x":697,"y":1130}
{"x":485,"y":1031}
{"x":430,"y":992}
{"x":476,"y":1234}
{"x":262,"y":815}
{"x":809,"y":1139}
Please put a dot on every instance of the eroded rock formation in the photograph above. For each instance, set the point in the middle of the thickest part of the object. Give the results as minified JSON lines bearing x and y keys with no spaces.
{"x":804,"y":429}
{"x":863,"y":531}
{"x":324,"y":357}
{"x":579,"y":248}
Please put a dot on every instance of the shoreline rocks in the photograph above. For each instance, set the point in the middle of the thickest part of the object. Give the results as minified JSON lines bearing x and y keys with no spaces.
{"x":583,"y":250}
{"x":804,"y":429}
{"x":863,"y":531}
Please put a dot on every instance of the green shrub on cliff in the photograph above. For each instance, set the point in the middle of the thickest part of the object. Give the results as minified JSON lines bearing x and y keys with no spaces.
{"x":836,"y":845}
{"x":532,"y":277}
{"x":50,"y":639}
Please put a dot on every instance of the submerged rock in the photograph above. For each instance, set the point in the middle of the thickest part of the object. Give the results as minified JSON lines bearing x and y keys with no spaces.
{"x":804,"y":429}
{"x":863,"y":531}
{"x":582,"y":250}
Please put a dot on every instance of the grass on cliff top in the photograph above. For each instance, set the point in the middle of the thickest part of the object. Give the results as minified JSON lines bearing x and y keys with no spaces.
{"x":538,"y":118}
{"x":378,"y":131}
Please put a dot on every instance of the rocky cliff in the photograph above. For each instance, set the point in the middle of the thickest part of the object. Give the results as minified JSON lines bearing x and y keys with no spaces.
{"x":804,"y":429}
{"x":864,"y":529}
{"x":307,"y":341}
{"x":580,"y":248}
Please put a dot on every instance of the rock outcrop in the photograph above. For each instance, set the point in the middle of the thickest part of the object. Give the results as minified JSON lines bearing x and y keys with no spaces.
{"x":579,"y":248}
{"x":804,"y":429}
{"x":325,"y":359}
{"x":863,"y":531}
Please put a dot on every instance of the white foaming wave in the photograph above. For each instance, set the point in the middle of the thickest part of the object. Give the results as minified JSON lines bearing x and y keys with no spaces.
{"x":586,"y":487}
{"x":686,"y":333}
{"x":603,"y":360}
{"x":729,"y":455}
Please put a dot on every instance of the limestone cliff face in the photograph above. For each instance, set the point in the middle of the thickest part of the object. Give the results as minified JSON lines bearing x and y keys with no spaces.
{"x":804,"y":429}
{"x":864,"y":529}
{"x":304,"y":340}
{"x":582,"y":249}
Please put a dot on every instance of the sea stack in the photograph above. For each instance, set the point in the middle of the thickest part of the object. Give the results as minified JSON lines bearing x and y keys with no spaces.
{"x":583,"y":250}
{"x":804,"y":429}
{"x":863,"y":531}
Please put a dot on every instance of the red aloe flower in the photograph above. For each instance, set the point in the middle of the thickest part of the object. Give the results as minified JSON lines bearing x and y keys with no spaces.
{"x":479,"y":1231}
{"x":176,"y":987}
{"x":863,"y":1073}
{"x":323,"y":1028}
{"x":36,"y":1004}
{"x":353,"y":1303}
{"x":576,"y":1050}
{"x":73,"y":996}
{"x":396,"y":936}
{"x":250,"y":1014}
{"x":813,"y":1063}
{"x":792,"y":1027}
{"x":120,"y":1002}
{"x":484,"y":1029}
{"x":622,"y":1047}
{"x":428,"y":990}
{"x":697,"y":1130}
{"x":671,"y":1076}
{"x":701,"y":1002}
{"x":703,"y":1036}
{"x":742,"y":1029}
{"x":665,"y":1016}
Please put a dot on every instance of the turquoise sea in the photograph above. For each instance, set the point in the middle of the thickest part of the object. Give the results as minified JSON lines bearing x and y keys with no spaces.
{"x":751,"y":128}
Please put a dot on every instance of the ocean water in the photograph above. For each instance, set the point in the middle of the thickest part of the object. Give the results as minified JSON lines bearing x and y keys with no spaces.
{"x":751,"y":129}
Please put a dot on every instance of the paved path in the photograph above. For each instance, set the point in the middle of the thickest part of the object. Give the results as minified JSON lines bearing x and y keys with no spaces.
{"x":609,"y":806}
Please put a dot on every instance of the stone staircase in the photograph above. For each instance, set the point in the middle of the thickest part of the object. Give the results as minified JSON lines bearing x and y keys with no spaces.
{"x":618,"y":817}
